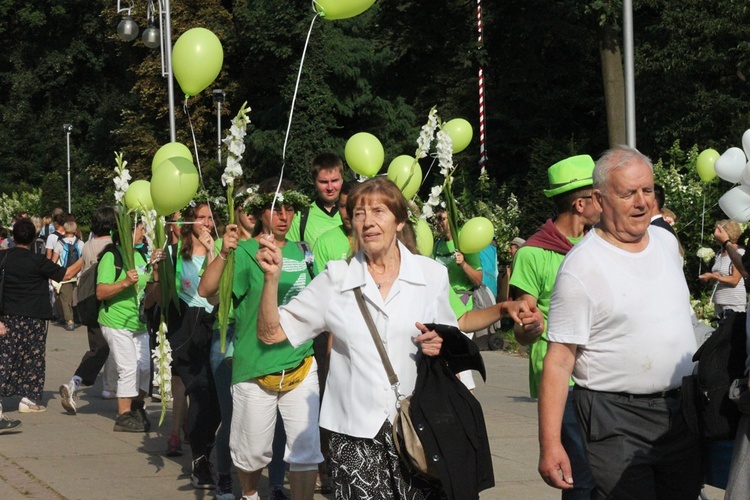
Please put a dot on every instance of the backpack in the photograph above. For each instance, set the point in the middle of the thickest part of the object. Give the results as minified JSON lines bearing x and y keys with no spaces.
{"x":70,"y":253}
{"x":38,"y":246}
{"x":86,"y":311}
{"x":309,"y":258}
{"x":705,"y":395}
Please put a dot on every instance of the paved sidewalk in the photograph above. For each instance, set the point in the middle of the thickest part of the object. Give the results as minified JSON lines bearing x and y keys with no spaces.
{"x":79,"y":457}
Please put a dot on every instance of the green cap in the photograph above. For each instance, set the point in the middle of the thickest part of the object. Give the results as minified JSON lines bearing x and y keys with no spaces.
{"x":569,"y":174}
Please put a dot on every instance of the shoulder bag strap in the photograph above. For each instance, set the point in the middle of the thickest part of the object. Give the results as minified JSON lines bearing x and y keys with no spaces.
{"x":392,"y":377}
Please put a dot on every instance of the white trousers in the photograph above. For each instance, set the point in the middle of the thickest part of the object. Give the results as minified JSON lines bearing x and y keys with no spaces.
{"x":132,"y":356}
{"x":254,"y":418}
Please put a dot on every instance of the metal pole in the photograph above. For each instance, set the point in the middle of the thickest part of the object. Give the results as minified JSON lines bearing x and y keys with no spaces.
{"x":627,"y":31}
{"x":167,"y":68}
{"x":218,"y":130}
{"x":68,"y":141}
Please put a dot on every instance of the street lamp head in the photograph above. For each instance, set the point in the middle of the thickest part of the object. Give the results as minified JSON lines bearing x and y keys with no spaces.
{"x":219,"y":95}
{"x":127,"y":30}
{"x":151,"y":36}
{"x":68,"y":128}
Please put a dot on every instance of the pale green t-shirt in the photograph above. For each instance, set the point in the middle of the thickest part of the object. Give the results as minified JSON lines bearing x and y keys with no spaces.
{"x":534,"y":272}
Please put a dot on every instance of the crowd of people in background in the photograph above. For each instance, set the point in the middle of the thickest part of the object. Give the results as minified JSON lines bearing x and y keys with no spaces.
{"x":301,"y":388}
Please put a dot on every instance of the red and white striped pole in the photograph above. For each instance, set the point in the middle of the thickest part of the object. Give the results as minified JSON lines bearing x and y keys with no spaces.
{"x":482,"y":150}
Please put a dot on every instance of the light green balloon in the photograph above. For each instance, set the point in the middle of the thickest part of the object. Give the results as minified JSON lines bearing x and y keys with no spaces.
{"x":173,"y":184}
{"x":400,"y":172}
{"x":170,"y":150}
{"x":476,"y":234}
{"x":425,"y":241}
{"x":364,"y":154}
{"x":197,"y":57}
{"x":341,"y":9}
{"x":138,"y":196}
{"x":460,"y":132}
{"x":705,"y":164}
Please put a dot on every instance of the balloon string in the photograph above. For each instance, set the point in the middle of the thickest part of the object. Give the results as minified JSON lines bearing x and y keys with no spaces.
{"x":291,"y":114}
{"x":703,"y":222}
{"x":704,"y":212}
{"x":198,"y":161}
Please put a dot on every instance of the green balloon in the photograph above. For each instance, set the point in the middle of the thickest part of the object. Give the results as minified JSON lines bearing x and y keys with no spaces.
{"x":476,"y":234}
{"x":460,"y":133}
{"x":364,"y":154}
{"x":424,"y":238}
{"x":173,"y":184}
{"x":197,"y":57}
{"x":170,"y":150}
{"x":341,"y":9}
{"x":138,"y":196}
{"x":705,"y":164}
{"x":401,"y":173}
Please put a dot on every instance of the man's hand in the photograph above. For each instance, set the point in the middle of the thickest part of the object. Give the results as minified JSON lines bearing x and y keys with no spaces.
{"x":554,"y":467}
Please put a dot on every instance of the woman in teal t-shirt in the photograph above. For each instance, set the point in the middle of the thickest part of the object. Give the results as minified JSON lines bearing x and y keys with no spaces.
{"x":121,"y":291}
{"x":190,"y":339}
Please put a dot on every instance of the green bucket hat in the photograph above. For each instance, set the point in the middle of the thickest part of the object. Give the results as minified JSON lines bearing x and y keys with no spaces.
{"x":569,"y":174}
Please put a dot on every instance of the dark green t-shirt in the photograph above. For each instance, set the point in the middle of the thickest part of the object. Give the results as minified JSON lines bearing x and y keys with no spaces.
{"x":253,"y":358}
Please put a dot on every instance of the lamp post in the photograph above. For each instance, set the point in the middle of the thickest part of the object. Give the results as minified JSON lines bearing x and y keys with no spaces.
{"x":68,"y":128}
{"x":219,"y":95}
{"x":127,"y":30}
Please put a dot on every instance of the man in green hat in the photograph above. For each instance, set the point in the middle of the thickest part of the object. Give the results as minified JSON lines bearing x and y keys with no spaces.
{"x":534,"y":270}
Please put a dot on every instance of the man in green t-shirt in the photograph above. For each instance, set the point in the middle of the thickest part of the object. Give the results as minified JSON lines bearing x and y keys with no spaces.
{"x":534,"y":272}
{"x":327,"y":172}
{"x":335,"y":244}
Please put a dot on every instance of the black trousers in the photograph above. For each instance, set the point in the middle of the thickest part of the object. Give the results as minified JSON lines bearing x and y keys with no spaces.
{"x":191,"y":352}
{"x":639,"y":447}
{"x":93,"y":360}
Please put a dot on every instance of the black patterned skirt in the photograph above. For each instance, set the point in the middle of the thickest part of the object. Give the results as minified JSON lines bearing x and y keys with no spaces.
{"x":370,"y":469}
{"x":22,"y":362}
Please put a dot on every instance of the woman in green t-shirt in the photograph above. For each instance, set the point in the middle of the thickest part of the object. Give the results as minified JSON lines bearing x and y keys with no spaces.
{"x":260,"y":372}
{"x":121,"y":290}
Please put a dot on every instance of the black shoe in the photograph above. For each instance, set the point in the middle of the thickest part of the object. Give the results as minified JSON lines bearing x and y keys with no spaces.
{"x":129,"y":421}
{"x":203,"y":474}
{"x":8,"y":425}
{"x":224,"y":488}
{"x":139,"y":409}
{"x":70,"y":327}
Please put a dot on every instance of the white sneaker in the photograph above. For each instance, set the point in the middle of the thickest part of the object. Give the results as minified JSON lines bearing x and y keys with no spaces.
{"x":28,"y":406}
{"x":68,"y":395}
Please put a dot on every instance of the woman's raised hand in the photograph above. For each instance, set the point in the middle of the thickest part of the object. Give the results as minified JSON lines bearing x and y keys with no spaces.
{"x":206,"y":239}
{"x":269,"y":256}
{"x":230,"y":239}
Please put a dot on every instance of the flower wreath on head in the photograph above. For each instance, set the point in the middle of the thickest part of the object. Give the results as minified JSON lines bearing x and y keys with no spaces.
{"x":256,"y":203}
{"x":218,"y":204}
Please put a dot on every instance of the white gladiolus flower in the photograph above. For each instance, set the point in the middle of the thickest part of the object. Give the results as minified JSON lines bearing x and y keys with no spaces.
{"x":445,"y":153}
{"x":235,"y":141}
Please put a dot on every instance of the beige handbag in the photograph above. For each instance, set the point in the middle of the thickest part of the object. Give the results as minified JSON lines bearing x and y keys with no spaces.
{"x":405,"y":435}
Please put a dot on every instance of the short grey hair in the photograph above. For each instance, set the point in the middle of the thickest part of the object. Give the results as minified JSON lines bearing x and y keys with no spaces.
{"x":615,"y":158}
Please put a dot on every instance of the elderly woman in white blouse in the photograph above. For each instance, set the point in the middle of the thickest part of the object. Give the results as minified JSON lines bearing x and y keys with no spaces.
{"x":402,"y":291}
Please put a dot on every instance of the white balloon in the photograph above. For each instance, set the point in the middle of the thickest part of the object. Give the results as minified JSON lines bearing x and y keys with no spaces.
{"x":736,"y":203}
{"x":745,"y":180}
{"x":746,"y":142}
{"x":731,"y":164}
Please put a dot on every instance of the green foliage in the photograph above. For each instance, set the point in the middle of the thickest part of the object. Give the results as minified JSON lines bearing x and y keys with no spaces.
{"x":695,"y":203}
{"x":16,"y":203}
